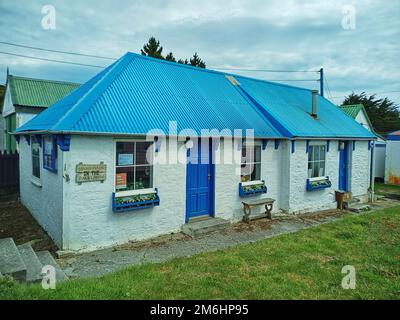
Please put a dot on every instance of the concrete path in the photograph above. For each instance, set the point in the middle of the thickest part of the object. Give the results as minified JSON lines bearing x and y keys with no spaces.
{"x":101,"y":262}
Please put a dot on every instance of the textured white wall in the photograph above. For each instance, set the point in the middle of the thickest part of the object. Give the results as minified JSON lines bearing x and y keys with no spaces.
{"x":392,"y":171}
{"x":360,"y":170}
{"x":88,"y":217}
{"x":301,"y":200}
{"x":45,"y":202}
{"x":228,"y":204}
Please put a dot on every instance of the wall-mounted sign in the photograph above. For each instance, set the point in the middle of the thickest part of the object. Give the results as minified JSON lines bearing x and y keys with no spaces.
{"x":90,"y":172}
{"x":125,"y":159}
{"x":120,"y":180}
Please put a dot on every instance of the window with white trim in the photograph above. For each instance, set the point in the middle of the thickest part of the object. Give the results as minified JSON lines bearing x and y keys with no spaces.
{"x":251,"y":164}
{"x":316,"y":161}
{"x":35,"y":150}
{"x":133,"y":171}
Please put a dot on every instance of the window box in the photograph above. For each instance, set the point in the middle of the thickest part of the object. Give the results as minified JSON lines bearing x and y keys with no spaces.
{"x":318,"y":183}
{"x":134,"y":202}
{"x":249,"y":189}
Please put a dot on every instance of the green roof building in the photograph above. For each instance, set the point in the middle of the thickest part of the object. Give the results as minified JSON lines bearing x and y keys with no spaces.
{"x":23,"y":99}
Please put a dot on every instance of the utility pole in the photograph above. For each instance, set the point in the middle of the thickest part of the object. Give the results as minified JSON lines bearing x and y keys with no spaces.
{"x":321,"y":81}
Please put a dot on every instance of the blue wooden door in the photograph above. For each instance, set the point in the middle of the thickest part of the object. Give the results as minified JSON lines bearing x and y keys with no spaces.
{"x":344,"y":167}
{"x":199,"y":182}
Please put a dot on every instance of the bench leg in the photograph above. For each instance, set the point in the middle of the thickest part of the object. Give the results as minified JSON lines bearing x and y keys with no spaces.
{"x":268,"y":210}
{"x":247,"y":212}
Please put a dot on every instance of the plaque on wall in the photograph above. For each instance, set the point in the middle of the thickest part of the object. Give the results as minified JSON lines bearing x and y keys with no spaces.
{"x":90,"y":172}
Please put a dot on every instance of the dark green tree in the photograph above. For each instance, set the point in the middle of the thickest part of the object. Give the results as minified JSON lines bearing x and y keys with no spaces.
{"x":152,"y":49}
{"x":196,"y":61}
{"x":383,"y":113}
{"x":181,"y":61}
{"x":170,"y":57}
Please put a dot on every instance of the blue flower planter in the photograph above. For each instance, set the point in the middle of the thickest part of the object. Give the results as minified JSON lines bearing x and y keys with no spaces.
{"x":246,"y":193}
{"x":323,"y":184}
{"x":121,"y":207}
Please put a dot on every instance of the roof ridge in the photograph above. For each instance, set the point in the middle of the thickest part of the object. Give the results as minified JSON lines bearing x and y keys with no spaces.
{"x":43,"y":80}
{"x":181,"y":65}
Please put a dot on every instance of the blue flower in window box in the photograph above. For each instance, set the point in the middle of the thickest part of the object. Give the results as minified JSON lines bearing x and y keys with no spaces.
{"x":318,"y":183}
{"x":252,"y":188}
{"x":134,"y":202}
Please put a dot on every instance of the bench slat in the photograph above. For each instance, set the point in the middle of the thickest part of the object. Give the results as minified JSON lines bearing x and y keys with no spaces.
{"x":259,"y":202}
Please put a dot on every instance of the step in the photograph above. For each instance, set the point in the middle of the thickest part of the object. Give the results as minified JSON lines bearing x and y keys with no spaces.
{"x":11,"y":262}
{"x":196,"y":228}
{"x":359,"y":208}
{"x":46,"y":258}
{"x":33,"y":265}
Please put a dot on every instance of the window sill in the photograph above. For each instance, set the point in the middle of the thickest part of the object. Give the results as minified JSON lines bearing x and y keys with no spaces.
{"x":36,"y":182}
{"x":134,"y":192}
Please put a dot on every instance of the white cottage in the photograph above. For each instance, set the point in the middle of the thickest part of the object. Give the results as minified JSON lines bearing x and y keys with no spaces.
{"x":147,"y":146}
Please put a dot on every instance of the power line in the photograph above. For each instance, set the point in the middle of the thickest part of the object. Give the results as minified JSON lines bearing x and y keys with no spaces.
{"x":263,"y":70}
{"x":52,"y":60}
{"x":382,"y":92}
{"x":56,"y":51}
{"x":281,"y":80}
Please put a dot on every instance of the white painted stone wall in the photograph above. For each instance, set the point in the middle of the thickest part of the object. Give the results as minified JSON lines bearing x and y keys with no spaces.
{"x":45,"y":202}
{"x":228,"y":204}
{"x":301,"y":200}
{"x":360,"y":170}
{"x":392,"y":171}
{"x":89,"y":221}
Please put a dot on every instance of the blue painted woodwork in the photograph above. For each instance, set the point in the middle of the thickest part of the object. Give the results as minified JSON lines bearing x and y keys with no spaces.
{"x":344,"y":167}
{"x":199,"y":181}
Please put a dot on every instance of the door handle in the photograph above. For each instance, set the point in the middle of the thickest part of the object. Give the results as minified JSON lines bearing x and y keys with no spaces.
{"x":209,"y":176}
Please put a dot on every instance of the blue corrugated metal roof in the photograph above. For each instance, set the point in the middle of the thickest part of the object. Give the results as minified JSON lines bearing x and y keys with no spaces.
{"x":137,"y":94}
{"x":291,"y":107}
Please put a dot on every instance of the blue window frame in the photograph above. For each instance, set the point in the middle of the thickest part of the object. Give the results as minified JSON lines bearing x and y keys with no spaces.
{"x":50,"y":153}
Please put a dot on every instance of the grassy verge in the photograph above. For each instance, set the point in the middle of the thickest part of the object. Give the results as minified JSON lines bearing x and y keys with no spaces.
{"x":383,"y":189}
{"x":303,"y":265}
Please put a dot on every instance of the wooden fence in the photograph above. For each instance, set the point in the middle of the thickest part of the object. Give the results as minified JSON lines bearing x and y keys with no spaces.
{"x":9,"y":173}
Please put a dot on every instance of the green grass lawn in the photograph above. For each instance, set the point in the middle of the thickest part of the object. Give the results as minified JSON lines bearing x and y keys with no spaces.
{"x":303,"y":265}
{"x":382,"y":188}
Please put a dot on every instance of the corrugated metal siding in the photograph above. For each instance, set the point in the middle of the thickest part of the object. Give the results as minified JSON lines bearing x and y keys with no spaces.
{"x":37,"y":92}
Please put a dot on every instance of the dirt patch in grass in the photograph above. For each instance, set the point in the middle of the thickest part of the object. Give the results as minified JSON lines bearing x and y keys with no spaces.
{"x":16,"y":222}
{"x":153,"y":243}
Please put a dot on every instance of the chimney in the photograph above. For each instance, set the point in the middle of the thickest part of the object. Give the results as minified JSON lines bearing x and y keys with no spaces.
{"x":314,"y":112}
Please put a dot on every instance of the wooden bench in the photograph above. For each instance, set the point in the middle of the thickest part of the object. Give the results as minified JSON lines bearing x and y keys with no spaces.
{"x":248,"y":205}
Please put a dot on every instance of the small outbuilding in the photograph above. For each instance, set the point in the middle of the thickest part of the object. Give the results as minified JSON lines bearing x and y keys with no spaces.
{"x":148,"y":146}
{"x":24,"y":98}
{"x":392,"y":174}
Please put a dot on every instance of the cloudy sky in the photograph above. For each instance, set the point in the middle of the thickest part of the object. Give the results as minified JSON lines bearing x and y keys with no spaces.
{"x":357,"y":55}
